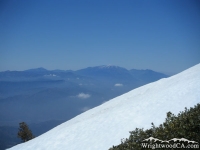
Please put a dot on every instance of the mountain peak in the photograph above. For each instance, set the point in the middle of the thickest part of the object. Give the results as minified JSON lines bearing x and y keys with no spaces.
{"x":105,"y":67}
{"x":109,"y":66}
{"x":37,"y":69}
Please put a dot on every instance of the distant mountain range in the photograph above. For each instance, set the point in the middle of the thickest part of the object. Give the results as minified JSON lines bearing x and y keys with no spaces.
{"x":39,"y":95}
{"x":99,"y":72}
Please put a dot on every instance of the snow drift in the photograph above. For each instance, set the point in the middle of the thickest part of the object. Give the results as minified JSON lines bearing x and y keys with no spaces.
{"x":105,"y":125}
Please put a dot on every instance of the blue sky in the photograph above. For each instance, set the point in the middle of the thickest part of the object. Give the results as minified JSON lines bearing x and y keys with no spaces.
{"x":162,"y":35}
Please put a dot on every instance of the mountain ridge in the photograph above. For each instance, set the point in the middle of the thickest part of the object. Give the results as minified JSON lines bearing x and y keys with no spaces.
{"x":42,"y":69}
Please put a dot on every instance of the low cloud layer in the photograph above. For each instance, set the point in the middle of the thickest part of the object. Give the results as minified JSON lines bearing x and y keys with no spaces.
{"x":118,"y":84}
{"x":83,"y":95}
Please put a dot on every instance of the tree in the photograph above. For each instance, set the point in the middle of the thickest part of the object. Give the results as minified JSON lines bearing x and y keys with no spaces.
{"x":24,"y":132}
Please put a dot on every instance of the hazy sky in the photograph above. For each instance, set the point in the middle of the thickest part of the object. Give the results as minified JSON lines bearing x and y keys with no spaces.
{"x":162,"y":35}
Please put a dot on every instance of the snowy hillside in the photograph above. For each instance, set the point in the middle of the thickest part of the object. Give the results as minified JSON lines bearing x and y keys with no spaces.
{"x":105,"y":125}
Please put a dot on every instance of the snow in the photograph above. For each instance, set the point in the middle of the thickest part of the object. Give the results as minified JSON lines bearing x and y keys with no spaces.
{"x":103,"y":126}
{"x":108,"y":66}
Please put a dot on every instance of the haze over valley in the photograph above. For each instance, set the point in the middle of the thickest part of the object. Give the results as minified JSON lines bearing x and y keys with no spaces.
{"x":61,"y":95}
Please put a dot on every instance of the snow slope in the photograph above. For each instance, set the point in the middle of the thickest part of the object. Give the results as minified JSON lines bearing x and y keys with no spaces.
{"x":105,"y":125}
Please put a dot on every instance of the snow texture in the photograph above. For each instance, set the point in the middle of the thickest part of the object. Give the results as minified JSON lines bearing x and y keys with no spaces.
{"x":103,"y":126}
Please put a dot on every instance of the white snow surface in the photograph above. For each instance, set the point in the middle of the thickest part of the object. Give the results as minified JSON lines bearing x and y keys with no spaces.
{"x":104,"y":126}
